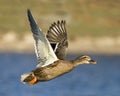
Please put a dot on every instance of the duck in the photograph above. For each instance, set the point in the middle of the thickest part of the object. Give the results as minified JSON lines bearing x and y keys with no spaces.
{"x":50,"y":50}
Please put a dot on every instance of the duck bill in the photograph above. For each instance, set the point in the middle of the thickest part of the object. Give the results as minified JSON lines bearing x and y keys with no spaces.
{"x":93,"y":62}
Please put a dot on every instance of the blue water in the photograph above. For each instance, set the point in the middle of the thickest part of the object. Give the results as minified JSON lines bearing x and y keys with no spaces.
{"x":102,"y":79}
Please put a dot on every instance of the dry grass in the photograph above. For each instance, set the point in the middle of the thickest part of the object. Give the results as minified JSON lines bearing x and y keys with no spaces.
{"x":84,"y":17}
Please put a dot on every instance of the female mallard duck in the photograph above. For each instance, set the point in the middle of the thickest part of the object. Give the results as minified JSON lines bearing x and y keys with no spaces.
{"x":51,"y":52}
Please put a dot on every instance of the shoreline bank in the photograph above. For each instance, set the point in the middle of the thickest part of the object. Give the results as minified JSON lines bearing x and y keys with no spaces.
{"x":10,"y":42}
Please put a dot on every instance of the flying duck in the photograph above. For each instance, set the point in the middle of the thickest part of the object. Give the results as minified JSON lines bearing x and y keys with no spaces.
{"x":51,"y":52}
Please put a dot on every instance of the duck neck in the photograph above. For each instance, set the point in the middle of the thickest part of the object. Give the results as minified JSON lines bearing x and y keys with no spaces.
{"x":77,"y":62}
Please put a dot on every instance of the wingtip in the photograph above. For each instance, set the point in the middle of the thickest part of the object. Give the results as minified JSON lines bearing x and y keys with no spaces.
{"x":29,"y":13}
{"x":61,"y":21}
{"x":32,"y":22}
{"x":28,"y":9}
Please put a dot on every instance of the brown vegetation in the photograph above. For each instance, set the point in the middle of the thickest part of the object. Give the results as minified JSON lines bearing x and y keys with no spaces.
{"x":11,"y":42}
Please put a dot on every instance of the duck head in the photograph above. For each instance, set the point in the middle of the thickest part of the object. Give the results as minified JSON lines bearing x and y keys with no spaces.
{"x":83,"y":60}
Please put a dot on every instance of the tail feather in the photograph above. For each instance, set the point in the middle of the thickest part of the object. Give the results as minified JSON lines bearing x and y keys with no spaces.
{"x":27,"y":77}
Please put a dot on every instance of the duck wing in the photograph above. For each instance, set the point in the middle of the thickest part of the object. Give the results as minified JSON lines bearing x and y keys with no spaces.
{"x":43,"y":49}
{"x":57,"y":36}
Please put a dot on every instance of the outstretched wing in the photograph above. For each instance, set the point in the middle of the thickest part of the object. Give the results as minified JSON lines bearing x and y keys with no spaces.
{"x":57,"y":37}
{"x":44,"y":51}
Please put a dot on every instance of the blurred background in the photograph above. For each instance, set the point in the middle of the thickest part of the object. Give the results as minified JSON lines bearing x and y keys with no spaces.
{"x":93,"y":28}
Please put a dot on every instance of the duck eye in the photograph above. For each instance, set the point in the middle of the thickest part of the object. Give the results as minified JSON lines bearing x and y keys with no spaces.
{"x":86,"y":57}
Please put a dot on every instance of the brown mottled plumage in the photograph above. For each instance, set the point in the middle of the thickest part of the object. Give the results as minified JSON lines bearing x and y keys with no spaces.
{"x":56,"y":69}
{"x":51,"y":63}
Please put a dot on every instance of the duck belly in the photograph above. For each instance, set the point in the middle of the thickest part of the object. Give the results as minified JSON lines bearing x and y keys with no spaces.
{"x":56,"y":70}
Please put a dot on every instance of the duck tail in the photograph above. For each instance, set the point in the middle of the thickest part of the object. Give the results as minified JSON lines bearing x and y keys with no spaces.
{"x":28,"y":78}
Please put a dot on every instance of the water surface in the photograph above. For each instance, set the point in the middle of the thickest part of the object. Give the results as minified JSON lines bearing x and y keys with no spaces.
{"x":102,"y":79}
